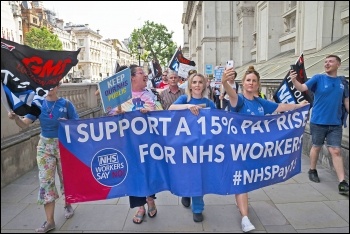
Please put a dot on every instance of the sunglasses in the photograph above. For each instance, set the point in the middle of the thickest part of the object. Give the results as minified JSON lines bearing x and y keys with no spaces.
{"x":192,"y":72}
{"x":141,"y":73}
{"x":255,"y":72}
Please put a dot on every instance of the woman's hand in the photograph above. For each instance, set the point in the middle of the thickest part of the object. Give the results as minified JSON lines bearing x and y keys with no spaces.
{"x":301,"y":104}
{"x":144,"y":110}
{"x":228,"y":73}
{"x":21,"y":122}
{"x":12,"y":115}
{"x":194,"y":109}
{"x":116,"y":112}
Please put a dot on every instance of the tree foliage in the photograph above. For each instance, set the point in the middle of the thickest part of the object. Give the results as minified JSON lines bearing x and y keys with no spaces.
{"x":156,"y":42}
{"x":42,"y":38}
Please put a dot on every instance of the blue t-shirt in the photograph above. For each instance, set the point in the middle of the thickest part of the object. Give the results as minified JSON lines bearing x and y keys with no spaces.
{"x":328,"y":94}
{"x":195,"y":101}
{"x":55,"y":109}
{"x":257,"y":106}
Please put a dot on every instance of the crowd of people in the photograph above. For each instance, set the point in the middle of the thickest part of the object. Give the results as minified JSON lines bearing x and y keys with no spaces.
{"x":194,"y":94}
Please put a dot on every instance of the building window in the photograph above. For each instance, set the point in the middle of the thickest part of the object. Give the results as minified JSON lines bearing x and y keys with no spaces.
{"x":35,"y":21}
{"x":20,"y":25}
{"x":81,"y":42}
{"x":289,"y":17}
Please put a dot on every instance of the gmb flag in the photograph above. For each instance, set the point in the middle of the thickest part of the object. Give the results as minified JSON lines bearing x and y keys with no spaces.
{"x":287,"y":93}
{"x":28,"y":74}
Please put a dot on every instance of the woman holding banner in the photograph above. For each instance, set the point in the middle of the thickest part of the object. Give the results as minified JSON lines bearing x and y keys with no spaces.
{"x":248,"y":103}
{"x":48,"y":158}
{"x":144,"y":101}
{"x":195,"y":99}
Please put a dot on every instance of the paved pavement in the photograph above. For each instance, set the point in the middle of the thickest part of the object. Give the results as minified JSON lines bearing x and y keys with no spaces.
{"x":296,"y":205}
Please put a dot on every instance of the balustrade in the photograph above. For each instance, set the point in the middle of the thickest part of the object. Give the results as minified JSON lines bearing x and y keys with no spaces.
{"x":18,"y":147}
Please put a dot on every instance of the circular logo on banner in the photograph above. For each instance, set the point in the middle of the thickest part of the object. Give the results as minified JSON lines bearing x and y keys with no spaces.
{"x":109,"y":167}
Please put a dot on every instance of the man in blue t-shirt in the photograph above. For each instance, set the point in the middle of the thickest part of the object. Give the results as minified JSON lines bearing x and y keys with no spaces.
{"x":326,"y":118}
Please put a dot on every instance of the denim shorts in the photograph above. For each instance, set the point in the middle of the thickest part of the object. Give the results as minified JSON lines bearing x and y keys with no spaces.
{"x":331,"y":133}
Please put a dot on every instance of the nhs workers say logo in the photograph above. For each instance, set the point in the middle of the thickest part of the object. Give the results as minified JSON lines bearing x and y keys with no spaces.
{"x":109,"y":167}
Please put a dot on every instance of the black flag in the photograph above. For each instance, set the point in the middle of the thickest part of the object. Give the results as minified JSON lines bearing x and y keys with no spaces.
{"x":287,"y":93}
{"x":28,"y":74}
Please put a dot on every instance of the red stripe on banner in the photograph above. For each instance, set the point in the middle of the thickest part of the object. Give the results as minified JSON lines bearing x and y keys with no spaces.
{"x":77,"y":187}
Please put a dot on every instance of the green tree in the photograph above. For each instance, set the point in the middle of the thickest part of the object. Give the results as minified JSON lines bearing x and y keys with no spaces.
{"x":42,"y":38}
{"x":156,"y":42}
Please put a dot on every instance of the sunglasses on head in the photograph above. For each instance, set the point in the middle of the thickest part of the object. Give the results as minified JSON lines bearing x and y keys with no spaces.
{"x":255,"y":72}
{"x":192,"y":72}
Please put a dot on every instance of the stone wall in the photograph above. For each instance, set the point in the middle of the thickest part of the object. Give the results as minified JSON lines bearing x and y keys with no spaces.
{"x":18,"y":147}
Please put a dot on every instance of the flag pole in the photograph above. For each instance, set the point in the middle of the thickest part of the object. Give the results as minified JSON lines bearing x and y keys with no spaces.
{"x":4,"y":99}
{"x":178,"y":49}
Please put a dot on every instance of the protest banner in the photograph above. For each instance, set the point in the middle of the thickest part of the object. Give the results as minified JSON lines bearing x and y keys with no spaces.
{"x":135,"y":154}
{"x":115,"y":89}
{"x":28,"y":74}
{"x":218,"y":71}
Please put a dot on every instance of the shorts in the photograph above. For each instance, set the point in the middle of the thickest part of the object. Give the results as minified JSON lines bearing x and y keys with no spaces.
{"x":331,"y":133}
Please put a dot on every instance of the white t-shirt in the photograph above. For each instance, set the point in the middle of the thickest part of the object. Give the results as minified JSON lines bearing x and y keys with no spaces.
{"x":183,"y":85}
{"x":234,"y":87}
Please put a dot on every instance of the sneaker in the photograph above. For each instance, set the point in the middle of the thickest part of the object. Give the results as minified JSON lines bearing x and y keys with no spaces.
{"x":46,"y":227}
{"x":313,"y":176}
{"x":247,"y":226}
{"x":68,"y":211}
{"x":197,"y":217}
{"x":343,"y":187}
{"x":186,"y":201}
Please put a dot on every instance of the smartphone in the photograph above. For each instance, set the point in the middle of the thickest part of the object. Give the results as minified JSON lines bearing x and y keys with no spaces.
{"x":230,"y":63}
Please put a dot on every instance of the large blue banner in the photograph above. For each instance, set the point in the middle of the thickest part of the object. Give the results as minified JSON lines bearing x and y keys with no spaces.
{"x":216,"y":152}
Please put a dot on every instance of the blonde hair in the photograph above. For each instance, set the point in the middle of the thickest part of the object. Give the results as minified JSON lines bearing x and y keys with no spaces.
{"x":188,"y":89}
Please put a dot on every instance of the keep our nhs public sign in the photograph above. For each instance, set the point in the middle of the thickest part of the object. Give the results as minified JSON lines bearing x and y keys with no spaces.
{"x":115,"y":90}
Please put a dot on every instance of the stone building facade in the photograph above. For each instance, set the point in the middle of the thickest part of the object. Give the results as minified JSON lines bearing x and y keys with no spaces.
{"x":257,"y":31}
{"x":270,"y":35}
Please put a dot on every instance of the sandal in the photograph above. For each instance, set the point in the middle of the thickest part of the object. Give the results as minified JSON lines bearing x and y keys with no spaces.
{"x":151,"y":209}
{"x":139,"y":216}
{"x":68,"y":211}
{"x":46,"y":227}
